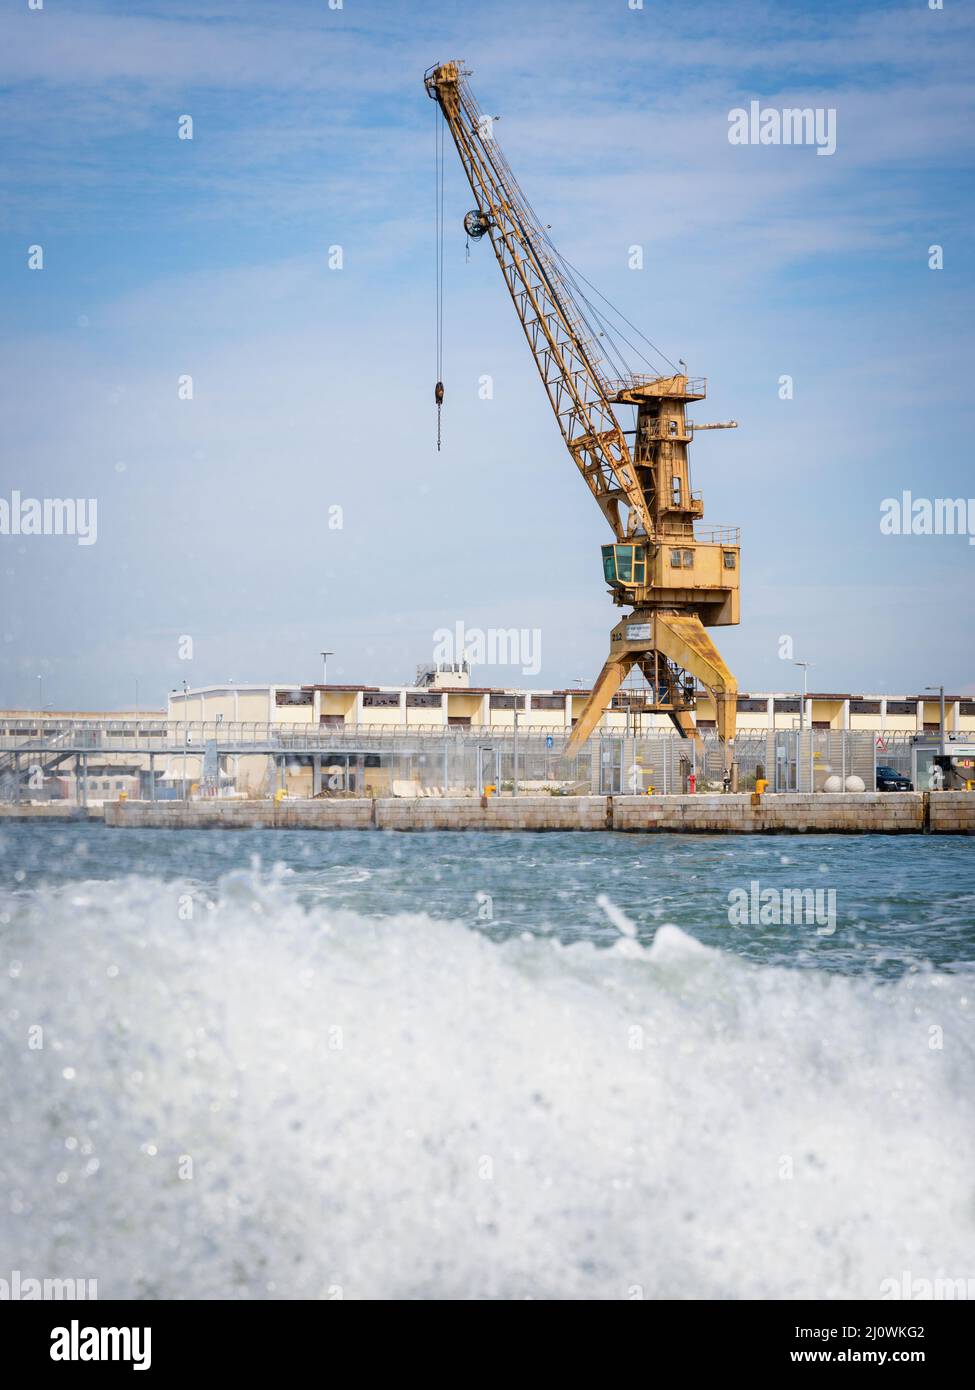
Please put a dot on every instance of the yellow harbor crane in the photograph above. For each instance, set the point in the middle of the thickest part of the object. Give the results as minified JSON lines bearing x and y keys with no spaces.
{"x":677,"y":579}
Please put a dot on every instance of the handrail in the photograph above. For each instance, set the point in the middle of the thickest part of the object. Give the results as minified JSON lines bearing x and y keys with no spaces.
{"x":718,"y":535}
{"x":694,"y":385}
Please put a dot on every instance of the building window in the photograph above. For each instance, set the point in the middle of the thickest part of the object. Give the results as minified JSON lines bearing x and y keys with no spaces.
{"x":902,"y":707}
{"x":507,"y":702}
{"x":730,"y":559}
{"x":548,"y":702}
{"x":688,"y":559}
{"x":864,"y":706}
{"x":294,"y":697}
{"x":332,"y":719}
{"x":675,"y":491}
{"x":423,"y":701}
{"x":381,"y":699}
{"x":461,"y":721}
{"x":820,"y":724}
{"x":747,"y":706}
{"x":787,"y":706}
{"x":675,"y":559}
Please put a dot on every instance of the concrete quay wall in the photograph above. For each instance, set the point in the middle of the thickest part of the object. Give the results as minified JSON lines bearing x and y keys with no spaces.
{"x":883,"y":813}
{"x":48,"y":811}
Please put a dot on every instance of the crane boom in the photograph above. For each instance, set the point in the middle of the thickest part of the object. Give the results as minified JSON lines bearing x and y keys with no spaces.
{"x":566,"y":356}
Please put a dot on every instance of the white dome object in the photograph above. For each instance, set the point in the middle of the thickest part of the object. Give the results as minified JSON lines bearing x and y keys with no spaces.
{"x":833,"y":784}
{"x":855,"y":784}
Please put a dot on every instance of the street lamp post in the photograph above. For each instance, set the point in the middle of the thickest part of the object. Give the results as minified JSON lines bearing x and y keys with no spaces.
{"x":941,"y":726}
{"x":325,"y":656}
{"x":186,"y":735}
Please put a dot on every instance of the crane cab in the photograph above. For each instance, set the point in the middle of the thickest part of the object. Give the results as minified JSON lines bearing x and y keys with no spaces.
{"x":625,"y":566}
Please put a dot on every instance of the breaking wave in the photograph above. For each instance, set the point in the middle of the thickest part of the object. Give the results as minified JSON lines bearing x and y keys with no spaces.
{"x":244,"y":1097}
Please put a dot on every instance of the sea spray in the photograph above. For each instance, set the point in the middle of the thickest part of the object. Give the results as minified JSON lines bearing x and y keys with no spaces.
{"x":487,"y":1125}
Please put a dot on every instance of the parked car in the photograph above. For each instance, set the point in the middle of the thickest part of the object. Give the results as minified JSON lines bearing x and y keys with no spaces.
{"x":890,"y":780}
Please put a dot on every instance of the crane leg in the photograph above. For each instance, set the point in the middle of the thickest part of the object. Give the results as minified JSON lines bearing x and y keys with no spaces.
{"x":609,"y":680}
{"x":682,"y":638}
{"x":683,"y":722}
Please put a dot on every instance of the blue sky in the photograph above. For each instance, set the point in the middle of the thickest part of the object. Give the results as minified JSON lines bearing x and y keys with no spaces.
{"x":313,"y":388}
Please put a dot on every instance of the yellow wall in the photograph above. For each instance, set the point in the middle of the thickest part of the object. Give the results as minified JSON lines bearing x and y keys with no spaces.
{"x":474,"y":707}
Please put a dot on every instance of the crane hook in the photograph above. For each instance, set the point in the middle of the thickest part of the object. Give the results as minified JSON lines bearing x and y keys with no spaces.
{"x":438,"y":397}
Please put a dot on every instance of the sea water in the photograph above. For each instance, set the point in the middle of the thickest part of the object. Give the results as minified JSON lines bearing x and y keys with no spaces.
{"x":361,"y":1064}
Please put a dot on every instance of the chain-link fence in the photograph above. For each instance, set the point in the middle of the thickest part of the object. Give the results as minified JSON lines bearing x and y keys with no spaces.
{"x":310,"y":760}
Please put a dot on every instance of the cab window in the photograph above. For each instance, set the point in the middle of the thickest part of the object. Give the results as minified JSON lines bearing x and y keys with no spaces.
{"x":625,"y":564}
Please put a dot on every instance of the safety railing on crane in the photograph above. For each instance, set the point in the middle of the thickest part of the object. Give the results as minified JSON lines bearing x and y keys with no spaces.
{"x":695,"y":386}
{"x":718,"y":535}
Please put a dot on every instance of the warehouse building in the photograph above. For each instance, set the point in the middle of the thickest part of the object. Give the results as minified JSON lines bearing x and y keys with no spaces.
{"x":444,"y":697}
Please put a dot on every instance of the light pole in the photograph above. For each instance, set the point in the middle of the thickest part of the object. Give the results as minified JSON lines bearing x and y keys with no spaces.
{"x":40,"y":693}
{"x":186,"y":735}
{"x":941,"y":726}
{"x":802,"y":717}
{"x":321,"y":707}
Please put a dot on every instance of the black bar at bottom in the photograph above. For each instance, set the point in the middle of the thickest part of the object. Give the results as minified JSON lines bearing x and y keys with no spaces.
{"x":255,"y":1337}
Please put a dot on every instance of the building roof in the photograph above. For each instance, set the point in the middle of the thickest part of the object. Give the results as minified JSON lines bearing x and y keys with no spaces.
{"x":335,"y":686}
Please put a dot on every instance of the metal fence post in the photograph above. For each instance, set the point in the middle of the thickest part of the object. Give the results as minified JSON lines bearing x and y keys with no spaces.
{"x":514,"y":780}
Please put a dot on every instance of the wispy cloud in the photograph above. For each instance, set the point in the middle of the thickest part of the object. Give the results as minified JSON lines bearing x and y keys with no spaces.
{"x":313,"y":387}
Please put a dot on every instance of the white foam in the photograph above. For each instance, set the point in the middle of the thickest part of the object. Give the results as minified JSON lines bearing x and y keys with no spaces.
{"x":515,"y":1120}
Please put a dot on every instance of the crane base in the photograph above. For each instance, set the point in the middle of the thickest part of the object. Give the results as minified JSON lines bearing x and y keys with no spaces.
{"x":662,"y":643}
